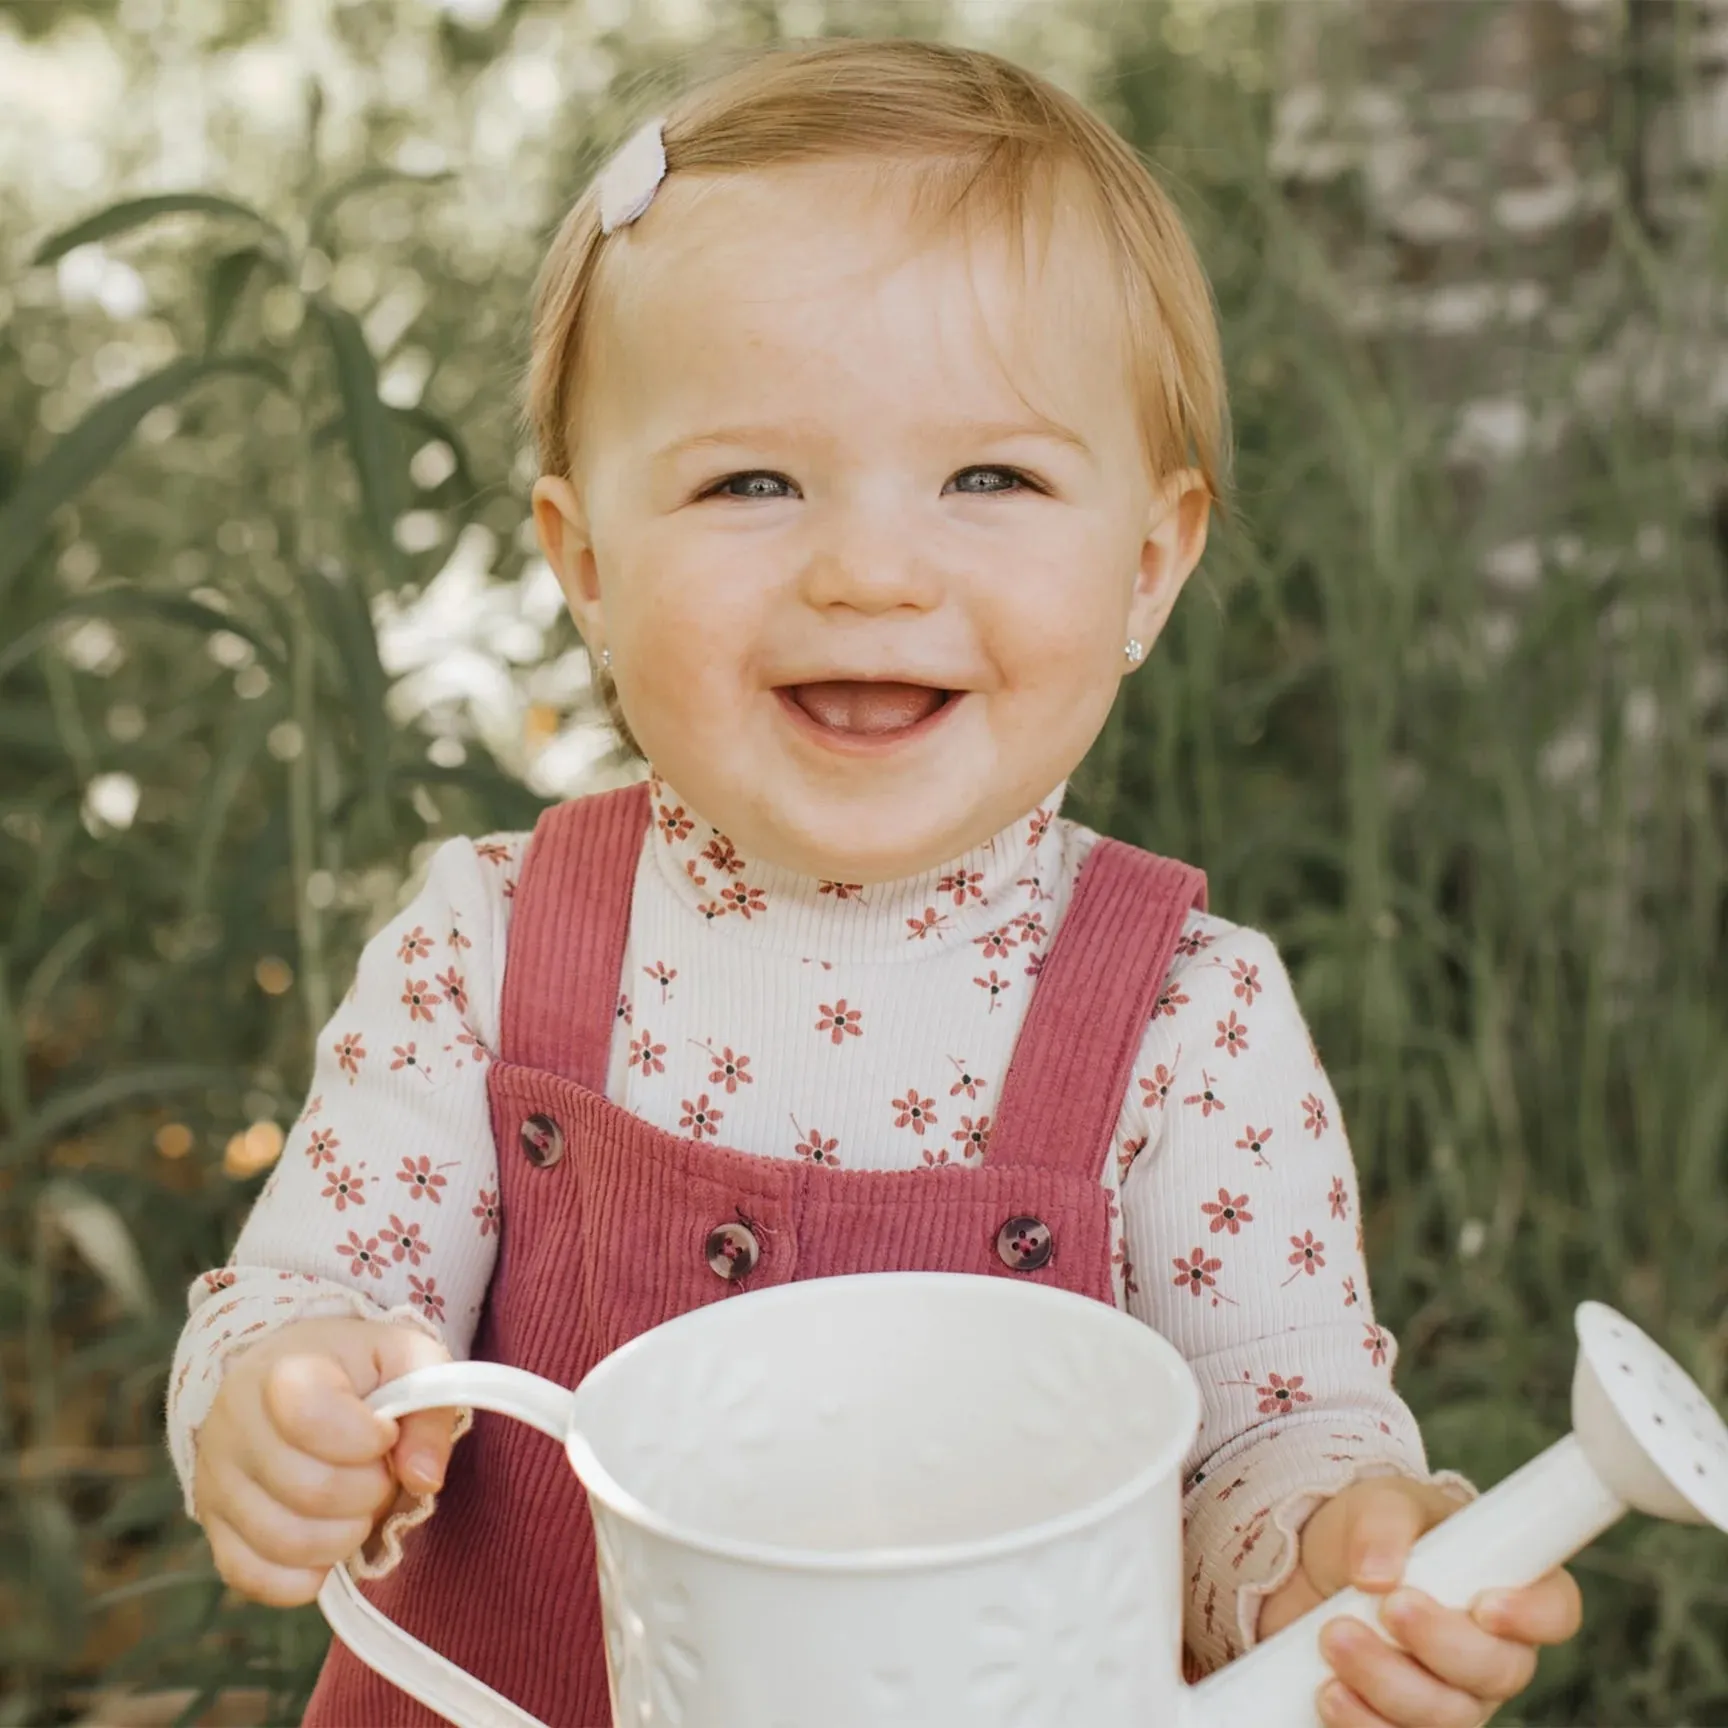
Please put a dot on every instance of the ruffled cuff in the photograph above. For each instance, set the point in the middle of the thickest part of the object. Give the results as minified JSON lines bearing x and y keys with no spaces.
{"x":1244,"y":1524}
{"x":221,"y":1331}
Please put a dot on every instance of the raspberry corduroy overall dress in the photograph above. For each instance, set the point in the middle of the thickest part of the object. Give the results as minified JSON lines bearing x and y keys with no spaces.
{"x":611,"y":1226}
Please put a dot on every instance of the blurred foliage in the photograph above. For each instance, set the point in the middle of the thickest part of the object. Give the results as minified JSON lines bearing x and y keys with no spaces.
{"x":1487,"y":823}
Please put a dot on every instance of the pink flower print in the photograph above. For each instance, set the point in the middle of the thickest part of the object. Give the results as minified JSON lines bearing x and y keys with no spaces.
{"x":1126,"y":1153}
{"x":1279,"y":1395}
{"x":1248,"y":984}
{"x":993,"y":986}
{"x":1339,"y":1197}
{"x":419,"y":998}
{"x":350,"y":1053}
{"x":840,"y":1022}
{"x":314,"y":1107}
{"x":456,"y":940}
{"x":220,"y":1280}
{"x":1254,"y":1140}
{"x":842,"y":890}
{"x":473,"y":1043}
{"x":1375,"y":1344}
{"x":997,"y":943}
{"x":729,"y":1069}
{"x":937,"y":1159}
{"x":1232,"y":1035}
{"x":673,"y":823}
{"x":701,"y":1118}
{"x":1170,"y":998}
{"x":1206,"y":1097}
{"x":662,"y":974}
{"x":1031,"y":927}
{"x":645,"y":1054}
{"x":973,"y":1136}
{"x":970,"y":1084}
{"x":1350,"y":1297}
{"x":486,"y":1210}
{"x":416,"y":945}
{"x":1153,"y":1092}
{"x":321,"y":1148}
{"x":509,"y":889}
{"x":423,"y":1181}
{"x":1191,"y":944}
{"x":1196,"y":1272}
{"x":1035,"y":965}
{"x":346,"y":1189}
{"x":915,"y":1113}
{"x":711,"y":909}
{"x":623,"y":1011}
{"x":406,"y":1242}
{"x":1121,"y":1260}
{"x":362,"y":1255}
{"x":1315,"y":1119}
{"x":425,"y":1297}
{"x":813,"y":1149}
{"x":455,"y":988}
{"x":1307,"y":1258}
{"x":933,"y":923}
{"x":1251,"y":1532}
{"x":492,"y":852}
{"x":963,"y":885}
{"x":697,"y":879}
{"x":1035,"y":888}
{"x":1228,"y":1212}
{"x":1038,"y":827}
{"x":408,"y":1056}
{"x":735,"y":897}
{"x":721,"y":853}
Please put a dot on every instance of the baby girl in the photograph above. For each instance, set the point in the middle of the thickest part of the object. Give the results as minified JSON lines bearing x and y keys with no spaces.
{"x":879,"y":412}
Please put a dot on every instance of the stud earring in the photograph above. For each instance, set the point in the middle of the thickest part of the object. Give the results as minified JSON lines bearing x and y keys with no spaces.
{"x":1134,"y":650}
{"x":605,"y":659}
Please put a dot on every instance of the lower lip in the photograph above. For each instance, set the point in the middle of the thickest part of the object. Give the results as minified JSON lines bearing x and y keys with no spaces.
{"x":867,"y":743}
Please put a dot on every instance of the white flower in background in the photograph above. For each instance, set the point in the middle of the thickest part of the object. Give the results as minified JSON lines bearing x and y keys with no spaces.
{"x":468,"y":656}
{"x":110,"y":803}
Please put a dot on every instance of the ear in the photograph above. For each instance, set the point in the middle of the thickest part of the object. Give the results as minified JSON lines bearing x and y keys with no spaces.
{"x":1175,"y":538}
{"x":562,"y":525}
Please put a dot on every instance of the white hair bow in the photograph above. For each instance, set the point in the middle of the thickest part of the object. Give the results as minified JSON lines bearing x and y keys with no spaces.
{"x":628,"y":182}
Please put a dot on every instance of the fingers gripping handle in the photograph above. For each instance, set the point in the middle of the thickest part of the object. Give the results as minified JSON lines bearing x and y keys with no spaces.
{"x":1522,"y":1528}
{"x":382,"y":1645}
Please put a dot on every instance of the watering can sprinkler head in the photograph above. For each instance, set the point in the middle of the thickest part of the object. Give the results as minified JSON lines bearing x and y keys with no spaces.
{"x":1649,"y":1433}
{"x":1644,"y":1438}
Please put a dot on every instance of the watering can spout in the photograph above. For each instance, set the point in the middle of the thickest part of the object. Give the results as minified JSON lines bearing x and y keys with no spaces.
{"x":1643,"y":1438}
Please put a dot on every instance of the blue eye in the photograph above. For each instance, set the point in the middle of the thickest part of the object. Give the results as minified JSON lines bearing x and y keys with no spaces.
{"x":989,"y":481}
{"x":757,"y":483}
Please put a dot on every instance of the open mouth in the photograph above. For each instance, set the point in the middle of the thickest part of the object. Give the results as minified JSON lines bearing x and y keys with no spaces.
{"x":866,"y":711}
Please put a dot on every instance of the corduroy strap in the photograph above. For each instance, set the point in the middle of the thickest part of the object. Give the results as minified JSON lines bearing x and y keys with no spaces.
{"x":1090,"y":1008}
{"x":568,"y":926}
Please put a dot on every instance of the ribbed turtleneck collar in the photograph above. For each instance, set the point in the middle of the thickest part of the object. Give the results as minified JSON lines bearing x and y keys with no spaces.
{"x":1000,"y":886}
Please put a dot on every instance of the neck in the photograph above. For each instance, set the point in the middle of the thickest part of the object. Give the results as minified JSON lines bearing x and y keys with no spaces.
{"x":996,"y":886}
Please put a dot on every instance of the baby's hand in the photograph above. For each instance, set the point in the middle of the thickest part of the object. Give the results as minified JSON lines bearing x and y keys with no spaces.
{"x":1457,"y":1667}
{"x":293,"y":1470}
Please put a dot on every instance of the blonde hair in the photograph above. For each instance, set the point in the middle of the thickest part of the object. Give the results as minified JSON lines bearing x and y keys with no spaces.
{"x":1001,"y":133}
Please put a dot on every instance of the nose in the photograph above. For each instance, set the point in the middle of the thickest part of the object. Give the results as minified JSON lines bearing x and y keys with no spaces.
{"x":871,"y":558}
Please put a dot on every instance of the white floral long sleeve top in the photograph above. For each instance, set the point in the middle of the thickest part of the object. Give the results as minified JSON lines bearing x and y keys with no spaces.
{"x":867,"y":1028}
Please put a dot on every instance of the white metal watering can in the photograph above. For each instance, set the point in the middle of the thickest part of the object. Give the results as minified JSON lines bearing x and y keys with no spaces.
{"x":930,"y":1500}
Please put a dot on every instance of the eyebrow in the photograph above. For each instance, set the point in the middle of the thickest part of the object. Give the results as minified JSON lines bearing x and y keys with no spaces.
{"x":967,"y":431}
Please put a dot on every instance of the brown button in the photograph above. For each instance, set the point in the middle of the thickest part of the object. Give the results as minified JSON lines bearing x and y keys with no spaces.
{"x":542,"y":1141}
{"x":1024,"y":1244}
{"x":732,"y":1251}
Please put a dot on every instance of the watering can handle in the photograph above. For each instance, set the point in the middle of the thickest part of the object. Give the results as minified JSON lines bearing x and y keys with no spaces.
{"x":409,"y":1665}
